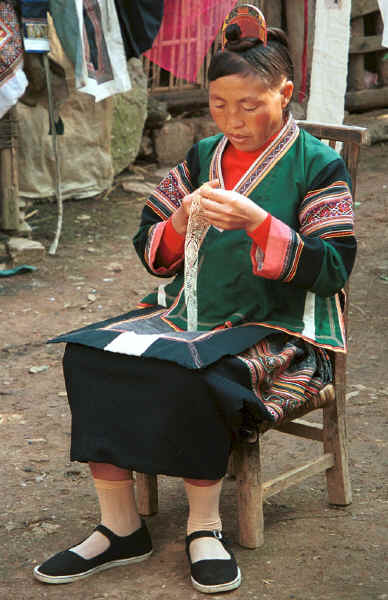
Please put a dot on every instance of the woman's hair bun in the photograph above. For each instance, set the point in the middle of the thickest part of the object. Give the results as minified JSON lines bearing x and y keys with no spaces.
{"x":233,"y":33}
{"x":274,"y":34}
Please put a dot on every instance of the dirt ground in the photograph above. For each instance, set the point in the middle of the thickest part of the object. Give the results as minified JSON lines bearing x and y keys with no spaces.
{"x":311,"y":551}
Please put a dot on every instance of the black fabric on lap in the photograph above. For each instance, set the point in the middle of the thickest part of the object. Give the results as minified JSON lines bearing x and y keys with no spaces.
{"x":150,"y":415}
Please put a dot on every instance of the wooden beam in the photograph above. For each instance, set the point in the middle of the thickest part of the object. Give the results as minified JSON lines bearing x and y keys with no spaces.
{"x":301,"y":428}
{"x":295,"y":34}
{"x":180,"y":101}
{"x":357,"y":61}
{"x":343,"y":133}
{"x":272,"y":10}
{"x":366,"y":99}
{"x":363,"y":44}
{"x":295,"y":476}
{"x":363,"y":7}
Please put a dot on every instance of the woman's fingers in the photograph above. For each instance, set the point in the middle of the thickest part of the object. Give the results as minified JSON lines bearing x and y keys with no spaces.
{"x":222,"y":215}
{"x":217,"y":194}
{"x":233,"y":212}
{"x":214,"y":183}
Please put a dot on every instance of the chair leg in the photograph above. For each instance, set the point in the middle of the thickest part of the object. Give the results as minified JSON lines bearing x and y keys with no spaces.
{"x":231,"y":470}
{"x":249,"y":495}
{"x":146,"y":494}
{"x":335,"y":441}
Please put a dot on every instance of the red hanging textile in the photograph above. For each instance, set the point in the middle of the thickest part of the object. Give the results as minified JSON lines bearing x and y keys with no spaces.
{"x":188,"y":29}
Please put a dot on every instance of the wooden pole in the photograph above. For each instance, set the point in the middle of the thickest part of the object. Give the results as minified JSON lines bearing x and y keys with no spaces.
{"x":356,"y":61}
{"x":272,"y":10}
{"x":10,"y":213}
{"x":295,"y":34}
{"x":382,"y":57}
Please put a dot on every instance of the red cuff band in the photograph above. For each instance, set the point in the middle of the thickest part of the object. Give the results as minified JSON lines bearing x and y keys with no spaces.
{"x":171,"y":245}
{"x":260,"y":234}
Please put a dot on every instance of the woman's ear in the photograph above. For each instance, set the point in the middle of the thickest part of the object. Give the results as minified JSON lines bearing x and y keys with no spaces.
{"x":286,"y":91}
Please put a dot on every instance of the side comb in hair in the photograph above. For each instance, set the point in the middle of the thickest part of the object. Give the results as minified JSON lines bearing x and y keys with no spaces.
{"x":250,"y":20}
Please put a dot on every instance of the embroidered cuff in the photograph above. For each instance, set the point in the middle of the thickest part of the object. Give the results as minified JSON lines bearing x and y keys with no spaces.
{"x":281,"y":254}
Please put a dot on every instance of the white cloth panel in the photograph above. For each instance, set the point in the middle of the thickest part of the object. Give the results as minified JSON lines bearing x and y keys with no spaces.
{"x":115,"y":79}
{"x":12,"y":89}
{"x":330,"y":63}
{"x":383,"y":4}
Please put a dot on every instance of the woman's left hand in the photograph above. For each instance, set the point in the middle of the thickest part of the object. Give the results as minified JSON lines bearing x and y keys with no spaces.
{"x":229,"y":210}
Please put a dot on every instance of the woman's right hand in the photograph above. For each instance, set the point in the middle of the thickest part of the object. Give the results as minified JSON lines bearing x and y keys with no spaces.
{"x":180,"y":217}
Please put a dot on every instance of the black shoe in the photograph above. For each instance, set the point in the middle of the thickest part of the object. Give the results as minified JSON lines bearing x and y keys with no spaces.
{"x":213,"y":575}
{"x":67,"y":566}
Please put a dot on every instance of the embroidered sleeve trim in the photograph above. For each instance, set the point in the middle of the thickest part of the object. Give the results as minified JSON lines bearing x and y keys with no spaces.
{"x":164,"y":201}
{"x":327,"y":212}
{"x":168,"y":195}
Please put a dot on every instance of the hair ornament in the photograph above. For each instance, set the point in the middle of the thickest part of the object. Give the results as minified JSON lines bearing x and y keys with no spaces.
{"x":250,"y":21}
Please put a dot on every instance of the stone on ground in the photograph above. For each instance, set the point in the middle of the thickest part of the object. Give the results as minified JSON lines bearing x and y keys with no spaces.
{"x":23,"y":251}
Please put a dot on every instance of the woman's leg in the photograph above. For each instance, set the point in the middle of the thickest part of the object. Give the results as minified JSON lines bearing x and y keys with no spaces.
{"x":204,"y":515}
{"x":115,"y":492}
{"x":213,"y":567}
{"x":120,"y":539}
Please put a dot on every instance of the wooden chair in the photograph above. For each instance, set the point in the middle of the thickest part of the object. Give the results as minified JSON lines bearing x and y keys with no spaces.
{"x":251,"y":489}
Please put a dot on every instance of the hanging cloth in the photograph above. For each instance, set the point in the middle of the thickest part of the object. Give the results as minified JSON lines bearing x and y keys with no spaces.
{"x":105,"y":70}
{"x":67,"y":28}
{"x":90,"y":34}
{"x":139,"y":22}
{"x":187,"y":32}
{"x":13,"y":81}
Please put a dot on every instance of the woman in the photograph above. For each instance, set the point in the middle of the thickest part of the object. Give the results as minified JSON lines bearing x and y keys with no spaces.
{"x":148,"y":395}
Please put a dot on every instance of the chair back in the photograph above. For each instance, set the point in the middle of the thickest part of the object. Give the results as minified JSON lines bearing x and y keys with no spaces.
{"x":351,"y":138}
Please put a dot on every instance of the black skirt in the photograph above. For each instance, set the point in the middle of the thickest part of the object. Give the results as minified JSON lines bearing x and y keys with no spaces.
{"x":155,"y":416}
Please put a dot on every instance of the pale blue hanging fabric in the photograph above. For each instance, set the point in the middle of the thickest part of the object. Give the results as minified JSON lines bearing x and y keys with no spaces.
{"x":64,"y":14}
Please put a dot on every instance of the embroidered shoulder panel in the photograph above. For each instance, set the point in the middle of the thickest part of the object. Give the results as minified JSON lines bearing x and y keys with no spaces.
{"x":168,"y":195}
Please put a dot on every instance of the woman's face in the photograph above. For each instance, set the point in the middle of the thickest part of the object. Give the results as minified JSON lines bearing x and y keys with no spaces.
{"x":246,"y":110}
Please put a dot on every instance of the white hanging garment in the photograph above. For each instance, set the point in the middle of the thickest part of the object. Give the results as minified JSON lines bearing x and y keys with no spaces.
{"x":383,"y":4}
{"x":12,"y":90}
{"x":329,"y":67}
{"x":105,"y":70}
